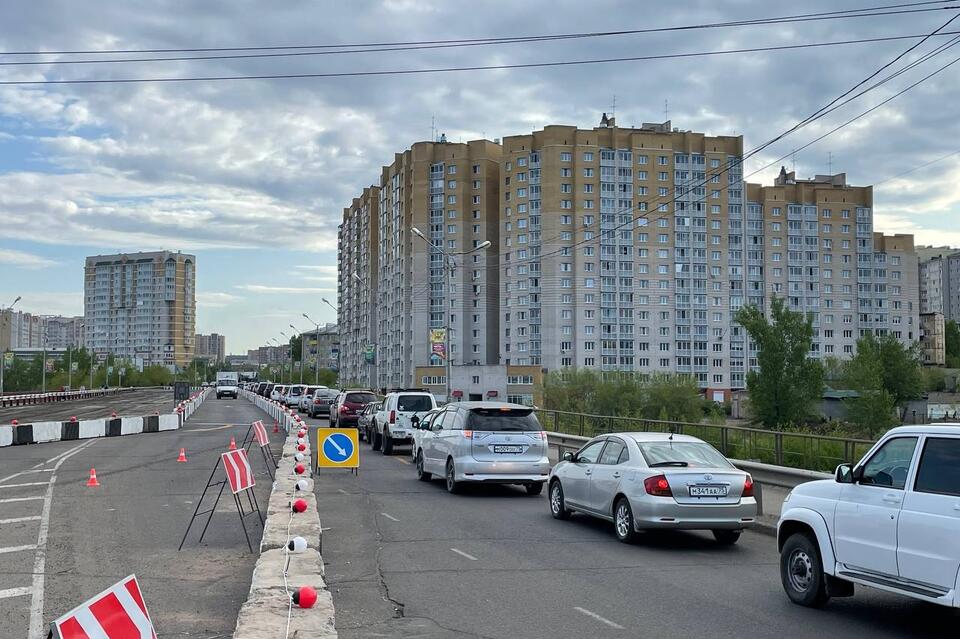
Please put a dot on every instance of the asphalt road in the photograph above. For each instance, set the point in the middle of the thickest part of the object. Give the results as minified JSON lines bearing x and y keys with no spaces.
{"x":405,"y":559}
{"x":132,"y":523}
{"x":135,"y":402}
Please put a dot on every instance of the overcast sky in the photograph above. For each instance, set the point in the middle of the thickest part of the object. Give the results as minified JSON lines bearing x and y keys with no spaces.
{"x":252,"y":176}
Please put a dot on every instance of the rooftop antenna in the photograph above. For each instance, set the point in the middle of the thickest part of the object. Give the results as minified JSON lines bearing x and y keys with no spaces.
{"x":433,"y":128}
{"x":613,"y":107}
{"x":793,"y":160}
{"x":666,"y":110}
{"x":829,"y":162}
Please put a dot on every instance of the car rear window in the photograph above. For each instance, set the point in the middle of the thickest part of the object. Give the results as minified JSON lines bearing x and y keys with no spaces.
{"x":939,"y":470}
{"x":688,"y":454}
{"x":296,"y":390}
{"x":414,"y":403}
{"x":500,"y":419}
{"x":360,"y":398}
{"x":226,"y":382}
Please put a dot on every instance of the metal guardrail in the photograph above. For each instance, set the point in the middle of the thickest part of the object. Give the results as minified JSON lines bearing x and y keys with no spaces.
{"x":778,"y":448}
{"x":36,"y":397}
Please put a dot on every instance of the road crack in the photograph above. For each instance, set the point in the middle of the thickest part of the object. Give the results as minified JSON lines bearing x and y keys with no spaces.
{"x":398,"y":606}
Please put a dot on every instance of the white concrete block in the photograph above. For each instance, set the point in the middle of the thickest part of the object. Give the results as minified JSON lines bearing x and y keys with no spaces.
{"x":169,"y":422}
{"x":90,"y":428}
{"x":131,"y":425}
{"x":46,"y":431}
{"x":6,"y":435}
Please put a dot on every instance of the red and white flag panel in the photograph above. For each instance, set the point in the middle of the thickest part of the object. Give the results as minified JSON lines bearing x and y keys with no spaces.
{"x":239,"y":473}
{"x":261,"y":433}
{"x":116,"y":613}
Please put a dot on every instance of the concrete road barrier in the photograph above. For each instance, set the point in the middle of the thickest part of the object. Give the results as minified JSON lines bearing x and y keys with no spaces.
{"x":268,"y":605}
{"x":41,"y":432}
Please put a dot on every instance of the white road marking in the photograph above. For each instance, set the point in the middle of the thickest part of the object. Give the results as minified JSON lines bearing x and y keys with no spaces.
{"x":40,"y":560}
{"x":13,"y":499}
{"x":463,"y":554}
{"x":390,"y":517}
{"x":402,"y":460}
{"x":341,"y":490}
{"x":17,"y":520}
{"x":14,"y":592}
{"x":598,"y":617}
{"x":17,"y":548}
{"x":33,"y":483}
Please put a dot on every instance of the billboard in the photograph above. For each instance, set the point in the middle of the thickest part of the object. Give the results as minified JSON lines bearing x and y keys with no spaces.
{"x":438,"y":342}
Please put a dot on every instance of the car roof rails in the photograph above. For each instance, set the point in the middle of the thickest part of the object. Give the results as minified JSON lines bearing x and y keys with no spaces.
{"x":408,"y":390}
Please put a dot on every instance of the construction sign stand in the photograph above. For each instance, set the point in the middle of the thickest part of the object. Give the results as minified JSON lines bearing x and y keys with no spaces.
{"x":338,"y":448}
{"x":257,"y":432}
{"x":116,"y":613}
{"x":239,"y":476}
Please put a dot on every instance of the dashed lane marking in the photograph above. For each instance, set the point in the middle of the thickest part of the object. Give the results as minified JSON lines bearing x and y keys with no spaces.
{"x":594,"y":615}
{"x":10,"y":500}
{"x":17,"y":520}
{"x":402,"y":460}
{"x":341,"y":490}
{"x":17,"y":548}
{"x":33,"y":483}
{"x":14,"y":592}
{"x":463,"y":554}
{"x":390,"y":517}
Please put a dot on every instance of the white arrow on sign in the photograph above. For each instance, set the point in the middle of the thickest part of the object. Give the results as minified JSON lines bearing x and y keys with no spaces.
{"x":340,"y":450}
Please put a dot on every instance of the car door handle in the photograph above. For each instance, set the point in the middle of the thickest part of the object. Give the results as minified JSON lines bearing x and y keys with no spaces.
{"x":588,"y":472}
{"x":892,"y":499}
{"x":956,"y":507}
{"x":616,"y":475}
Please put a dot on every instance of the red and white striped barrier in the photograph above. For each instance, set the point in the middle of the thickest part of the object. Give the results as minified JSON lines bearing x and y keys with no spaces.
{"x":118,"y":612}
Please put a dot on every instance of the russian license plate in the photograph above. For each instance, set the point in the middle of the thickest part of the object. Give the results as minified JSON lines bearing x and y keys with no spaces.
{"x":508,"y":449}
{"x":708,"y":491}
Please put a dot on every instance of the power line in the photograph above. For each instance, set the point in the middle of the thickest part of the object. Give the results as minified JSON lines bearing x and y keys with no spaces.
{"x":916,"y":168}
{"x":491,"y":67}
{"x":909,"y":7}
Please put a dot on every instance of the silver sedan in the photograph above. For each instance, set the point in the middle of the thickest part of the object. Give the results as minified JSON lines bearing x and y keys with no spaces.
{"x":644,"y":481}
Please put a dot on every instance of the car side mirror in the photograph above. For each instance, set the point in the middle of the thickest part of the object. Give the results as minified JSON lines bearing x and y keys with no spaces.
{"x":568,"y":456}
{"x":857,"y":475}
{"x":844,"y":474}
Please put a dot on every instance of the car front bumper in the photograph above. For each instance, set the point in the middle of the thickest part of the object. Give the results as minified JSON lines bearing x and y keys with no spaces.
{"x":661,"y":513}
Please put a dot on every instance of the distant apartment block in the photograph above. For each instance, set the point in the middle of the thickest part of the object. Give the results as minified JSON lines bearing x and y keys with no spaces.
{"x":22,"y":330}
{"x":933,"y":339}
{"x":212,"y":347}
{"x":615,"y":249}
{"x":358,"y":269}
{"x":64,"y":332}
{"x":940,"y":281}
{"x":142,"y":307}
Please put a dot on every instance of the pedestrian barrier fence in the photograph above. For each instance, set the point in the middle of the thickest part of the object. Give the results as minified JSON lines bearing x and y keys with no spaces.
{"x":40,"y":432}
{"x":119,"y":612}
{"x":780,"y":448}
{"x":30,"y":399}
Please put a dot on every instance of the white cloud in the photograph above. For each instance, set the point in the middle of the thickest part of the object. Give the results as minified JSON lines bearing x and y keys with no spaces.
{"x":24,"y":260}
{"x":216,"y":300}
{"x":47,"y":303}
{"x":262,"y":288}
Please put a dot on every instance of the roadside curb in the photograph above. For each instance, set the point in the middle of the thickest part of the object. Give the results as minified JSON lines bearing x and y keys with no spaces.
{"x":43,"y":432}
{"x":279,"y":572}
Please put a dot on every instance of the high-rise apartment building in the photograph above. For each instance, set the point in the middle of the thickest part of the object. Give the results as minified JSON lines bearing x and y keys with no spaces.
{"x":64,"y":332}
{"x":22,"y":330}
{"x":212,"y":347}
{"x":605,"y":251}
{"x":358,"y":270}
{"x":141,"y":306}
{"x":449,"y":193}
{"x":940,"y":281}
{"x":615,"y":249}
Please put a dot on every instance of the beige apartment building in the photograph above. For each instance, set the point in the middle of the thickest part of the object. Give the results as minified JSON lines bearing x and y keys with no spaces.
{"x":212,"y":347}
{"x":933,"y":339}
{"x":617,"y":249}
{"x":449,"y":193}
{"x":358,"y":270}
{"x":142,"y":307}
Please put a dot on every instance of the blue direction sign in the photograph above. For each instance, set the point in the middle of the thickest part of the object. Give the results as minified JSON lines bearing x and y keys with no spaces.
{"x":338,"y":448}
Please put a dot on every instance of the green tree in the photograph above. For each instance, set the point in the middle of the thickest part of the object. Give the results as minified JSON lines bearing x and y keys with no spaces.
{"x":898,"y":366}
{"x":952,"y":344}
{"x":677,"y":396}
{"x":788,"y":383}
{"x":872,"y":409}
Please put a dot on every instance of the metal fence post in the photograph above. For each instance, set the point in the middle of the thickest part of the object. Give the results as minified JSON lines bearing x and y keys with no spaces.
{"x":723,"y":440}
{"x":778,"y":448}
{"x":581,"y":424}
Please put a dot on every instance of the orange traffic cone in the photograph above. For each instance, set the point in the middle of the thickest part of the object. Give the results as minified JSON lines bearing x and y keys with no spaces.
{"x":183,"y":456}
{"x":233,"y":444}
{"x":276,"y":427}
{"x":92,"y":482}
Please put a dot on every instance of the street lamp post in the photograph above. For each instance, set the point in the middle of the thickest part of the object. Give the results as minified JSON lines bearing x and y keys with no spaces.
{"x":290,"y":355}
{"x":3,"y":355}
{"x":316,"y":365}
{"x":452,"y":265}
{"x":301,"y":351}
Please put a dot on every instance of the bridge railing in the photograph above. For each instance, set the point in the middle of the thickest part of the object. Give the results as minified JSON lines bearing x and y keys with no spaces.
{"x":781,"y":448}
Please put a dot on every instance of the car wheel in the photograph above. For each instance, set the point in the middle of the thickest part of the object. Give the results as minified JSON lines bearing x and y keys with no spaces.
{"x":453,"y":486}
{"x":623,"y":521}
{"x":727,"y":537}
{"x":558,"y":507}
{"x":801,"y":572}
{"x":534,"y":489}
{"x":377,"y":440}
{"x":387,"y":447}
{"x":422,"y":475}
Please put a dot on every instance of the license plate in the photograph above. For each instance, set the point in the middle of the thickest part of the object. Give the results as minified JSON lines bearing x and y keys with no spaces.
{"x":708,"y":491}
{"x":508,"y":449}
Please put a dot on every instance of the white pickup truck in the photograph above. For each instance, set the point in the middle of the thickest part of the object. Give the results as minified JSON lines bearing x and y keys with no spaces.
{"x":393,"y":424}
{"x":891,"y":522}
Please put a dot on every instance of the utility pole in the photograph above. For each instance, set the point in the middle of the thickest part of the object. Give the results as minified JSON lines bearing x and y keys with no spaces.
{"x":316,"y":364}
{"x":43,"y":369}
{"x":302,"y":362}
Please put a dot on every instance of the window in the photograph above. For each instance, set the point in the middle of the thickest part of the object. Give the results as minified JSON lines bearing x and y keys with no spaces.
{"x":888,"y":467}
{"x":588,"y":156}
{"x":614,"y":453}
{"x":566,"y":156}
{"x":939,"y":470}
{"x":590,"y":453}
{"x":642,"y":159}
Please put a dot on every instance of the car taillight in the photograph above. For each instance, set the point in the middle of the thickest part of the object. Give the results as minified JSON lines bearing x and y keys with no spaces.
{"x":393,"y":417}
{"x":344,"y":409}
{"x":467,"y":433}
{"x":539,"y":434}
{"x":316,"y":401}
{"x":747,"y":486}
{"x":658,"y":486}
